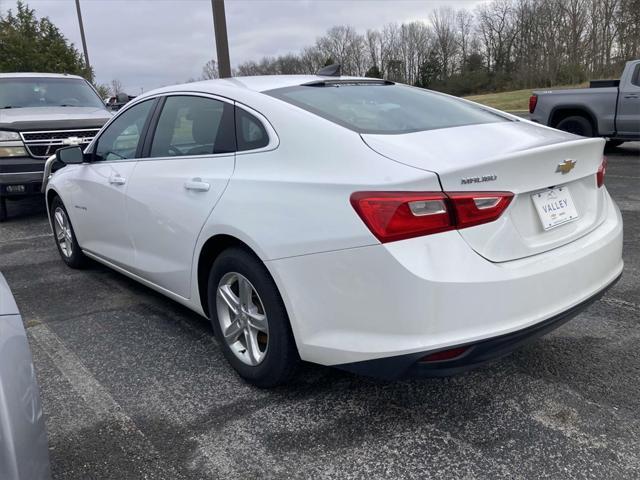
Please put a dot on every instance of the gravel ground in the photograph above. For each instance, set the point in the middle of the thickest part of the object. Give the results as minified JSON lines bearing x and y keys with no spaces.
{"x":135,"y":386}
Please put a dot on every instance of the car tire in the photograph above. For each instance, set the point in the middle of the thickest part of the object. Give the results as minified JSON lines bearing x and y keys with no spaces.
{"x":576,"y":124}
{"x":65,"y":236}
{"x":273,"y":358}
{"x":3,"y":209}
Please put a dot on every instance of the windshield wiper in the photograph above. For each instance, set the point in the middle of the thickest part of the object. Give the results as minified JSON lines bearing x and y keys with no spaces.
{"x":10,"y":106}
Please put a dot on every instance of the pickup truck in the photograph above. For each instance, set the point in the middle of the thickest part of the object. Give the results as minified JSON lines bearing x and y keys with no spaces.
{"x":40,"y":113}
{"x":608,"y":108}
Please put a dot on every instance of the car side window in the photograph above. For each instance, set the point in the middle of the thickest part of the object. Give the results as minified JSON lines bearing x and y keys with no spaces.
{"x":191,"y":125}
{"x":250,"y":132}
{"x":635,"y":79}
{"x":120,"y":140}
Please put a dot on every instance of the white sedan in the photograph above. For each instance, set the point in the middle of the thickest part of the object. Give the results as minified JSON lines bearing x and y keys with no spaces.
{"x":352,"y":222}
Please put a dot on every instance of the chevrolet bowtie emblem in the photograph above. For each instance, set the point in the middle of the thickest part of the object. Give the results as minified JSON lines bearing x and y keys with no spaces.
{"x":71,"y":141}
{"x":566,"y":166}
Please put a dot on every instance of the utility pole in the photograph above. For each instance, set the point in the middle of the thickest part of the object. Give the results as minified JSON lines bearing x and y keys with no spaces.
{"x":84,"y":40}
{"x":222,"y":42}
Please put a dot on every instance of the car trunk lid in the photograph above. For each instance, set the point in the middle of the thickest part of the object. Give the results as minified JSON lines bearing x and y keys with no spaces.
{"x":517,"y":157}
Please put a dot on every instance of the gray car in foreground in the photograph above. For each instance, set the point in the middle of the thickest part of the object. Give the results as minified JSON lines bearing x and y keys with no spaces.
{"x":609,"y":108}
{"x":23,"y":439}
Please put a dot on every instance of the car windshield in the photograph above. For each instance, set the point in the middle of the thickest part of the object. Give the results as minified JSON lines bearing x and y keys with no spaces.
{"x":383,"y":108}
{"x":47,"y":92}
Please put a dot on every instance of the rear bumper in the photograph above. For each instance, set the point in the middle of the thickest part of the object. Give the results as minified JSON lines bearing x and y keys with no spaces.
{"x":476,"y":355}
{"x":433,"y":293}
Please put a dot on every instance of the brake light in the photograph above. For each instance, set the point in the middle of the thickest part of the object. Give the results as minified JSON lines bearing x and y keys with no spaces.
{"x":393,"y":216}
{"x":602,"y":171}
{"x":533,"y":101}
{"x":475,"y":208}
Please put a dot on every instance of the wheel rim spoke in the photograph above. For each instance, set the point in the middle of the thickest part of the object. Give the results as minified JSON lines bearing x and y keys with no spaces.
{"x":251,"y":340}
{"x":258,"y":322}
{"x":233,"y":331}
{"x":245,"y":292}
{"x":229,"y":298}
{"x":59,"y":219}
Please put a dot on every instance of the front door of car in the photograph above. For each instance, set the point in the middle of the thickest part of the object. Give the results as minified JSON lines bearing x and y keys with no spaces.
{"x":190,"y":157}
{"x":628,"y":116}
{"x":100,"y":186}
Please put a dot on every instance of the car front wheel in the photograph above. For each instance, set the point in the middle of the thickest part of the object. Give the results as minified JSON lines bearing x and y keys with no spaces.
{"x":250,"y":320}
{"x":64,"y":235}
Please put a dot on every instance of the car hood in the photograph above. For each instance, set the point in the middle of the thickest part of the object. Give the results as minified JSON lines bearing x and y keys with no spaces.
{"x":33,"y":118}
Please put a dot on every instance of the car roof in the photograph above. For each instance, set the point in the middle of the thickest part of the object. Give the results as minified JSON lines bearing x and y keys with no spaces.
{"x":258,"y":83}
{"x":37,"y":75}
{"x":262,"y":83}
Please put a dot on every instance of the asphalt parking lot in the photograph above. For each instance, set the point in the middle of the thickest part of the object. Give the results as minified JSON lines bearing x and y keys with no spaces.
{"x":134,"y":386}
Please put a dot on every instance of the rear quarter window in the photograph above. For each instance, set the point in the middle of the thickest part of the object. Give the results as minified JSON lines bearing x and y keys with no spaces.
{"x":250,"y":133}
{"x":383,"y":108}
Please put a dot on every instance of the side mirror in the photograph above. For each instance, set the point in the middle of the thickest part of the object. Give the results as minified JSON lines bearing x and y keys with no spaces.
{"x":70,"y":155}
{"x":122,"y":98}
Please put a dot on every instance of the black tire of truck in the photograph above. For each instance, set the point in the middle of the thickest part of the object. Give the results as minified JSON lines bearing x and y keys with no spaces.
{"x":576,"y":124}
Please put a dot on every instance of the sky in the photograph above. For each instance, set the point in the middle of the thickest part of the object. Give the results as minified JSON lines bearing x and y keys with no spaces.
{"x":150,"y":43}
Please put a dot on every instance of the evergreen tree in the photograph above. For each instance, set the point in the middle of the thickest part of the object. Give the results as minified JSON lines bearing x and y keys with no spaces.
{"x":29,"y":44}
{"x":373,"y":72}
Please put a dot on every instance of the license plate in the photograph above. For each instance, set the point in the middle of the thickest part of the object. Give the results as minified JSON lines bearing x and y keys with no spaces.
{"x":555,"y":207}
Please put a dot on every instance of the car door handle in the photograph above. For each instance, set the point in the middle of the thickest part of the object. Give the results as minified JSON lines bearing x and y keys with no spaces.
{"x":117,"y":180}
{"x":197,"y":185}
{"x":631,"y":96}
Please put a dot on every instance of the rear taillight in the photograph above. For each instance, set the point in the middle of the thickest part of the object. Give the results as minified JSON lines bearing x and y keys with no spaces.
{"x":395,"y":216}
{"x":602,"y":171}
{"x":475,"y":208}
{"x":398,"y":215}
{"x":533,"y":101}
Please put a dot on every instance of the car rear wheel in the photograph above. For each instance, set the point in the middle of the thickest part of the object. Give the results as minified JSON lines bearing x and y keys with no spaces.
{"x":250,"y":320}
{"x":576,"y":124}
{"x":64,"y":235}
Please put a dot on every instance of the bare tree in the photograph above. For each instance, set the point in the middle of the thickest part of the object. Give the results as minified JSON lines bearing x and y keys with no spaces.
{"x":346,"y":47}
{"x":464,"y":26}
{"x":503,"y":44}
{"x":444,"y":28}
{"x":210,"y":70}
{"x":116,"y":87}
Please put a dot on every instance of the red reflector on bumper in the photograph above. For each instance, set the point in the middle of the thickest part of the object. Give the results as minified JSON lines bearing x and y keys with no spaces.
{"x":444,"y":355}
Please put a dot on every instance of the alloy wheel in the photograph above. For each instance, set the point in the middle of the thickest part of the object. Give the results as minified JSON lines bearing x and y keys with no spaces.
{"x":243,"y":319}
{"x":62,"y":230}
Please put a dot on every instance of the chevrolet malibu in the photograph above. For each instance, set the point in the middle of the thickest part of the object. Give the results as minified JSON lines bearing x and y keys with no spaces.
{"x":371,"y":226}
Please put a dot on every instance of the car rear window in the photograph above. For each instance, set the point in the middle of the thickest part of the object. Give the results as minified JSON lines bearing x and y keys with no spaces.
{"x":382,"y":108}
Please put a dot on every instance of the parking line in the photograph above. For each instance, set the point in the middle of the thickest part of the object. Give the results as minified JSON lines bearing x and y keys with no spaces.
{"x":90,"y":390}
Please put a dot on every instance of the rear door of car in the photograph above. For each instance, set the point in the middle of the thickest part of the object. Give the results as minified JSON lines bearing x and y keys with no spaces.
{"x":189,"y":157}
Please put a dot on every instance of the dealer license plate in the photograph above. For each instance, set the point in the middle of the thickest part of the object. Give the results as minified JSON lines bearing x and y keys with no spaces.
{"x":555,"y":207}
